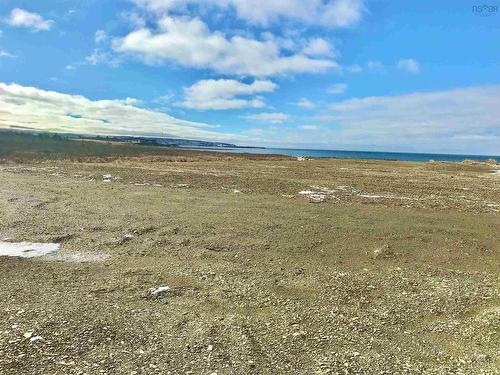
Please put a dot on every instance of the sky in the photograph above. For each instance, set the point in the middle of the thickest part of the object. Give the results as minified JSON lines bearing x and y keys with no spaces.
{"x":380,"y":75}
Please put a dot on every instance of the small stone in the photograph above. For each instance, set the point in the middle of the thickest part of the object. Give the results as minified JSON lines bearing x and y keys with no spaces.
{"x":384,"y":251}
{"x":158,"y":292}
{"x":28,"y":335}
{"x":36,"y":339}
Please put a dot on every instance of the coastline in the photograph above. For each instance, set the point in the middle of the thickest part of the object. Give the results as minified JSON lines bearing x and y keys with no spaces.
{"x":344,"y":154}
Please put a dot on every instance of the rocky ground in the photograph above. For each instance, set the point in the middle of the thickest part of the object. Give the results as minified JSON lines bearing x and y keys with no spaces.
{"x":267,"y":265}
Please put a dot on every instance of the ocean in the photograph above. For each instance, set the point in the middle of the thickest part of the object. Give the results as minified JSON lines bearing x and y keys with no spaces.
{"x":372,"y":155}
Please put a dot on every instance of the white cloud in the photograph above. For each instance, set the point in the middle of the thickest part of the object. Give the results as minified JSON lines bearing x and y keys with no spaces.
{"x":95,"y":57}
{"x":355,"y":68}
{"x":310,"y":127}
{"x":189,"y":42}
{"x":318,"y":47}
{"x":100,"y":36}
{"x":225,"y":94}
{"x":326,"y":13}
{"x":410,"y":65}
{"x":98,"y":57}
{"x":273,"y":118}
{"x":460,"y":121}
{"x":22,"y":18}
{"x":164,"y":99}
{"x":305,"y":103}
{"x":52,"y":111}
{"x":374,"y":66}
{"x":5,"y":54}
{"x":338,"y":88}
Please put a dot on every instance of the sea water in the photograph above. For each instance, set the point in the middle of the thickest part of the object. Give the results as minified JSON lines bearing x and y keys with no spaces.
{"x":372,"y":155}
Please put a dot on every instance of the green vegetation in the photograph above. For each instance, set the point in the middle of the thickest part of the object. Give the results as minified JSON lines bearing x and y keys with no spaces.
{"x":25,"y":146}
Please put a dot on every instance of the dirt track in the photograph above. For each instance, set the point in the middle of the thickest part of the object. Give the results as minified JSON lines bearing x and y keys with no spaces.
{"x":395,"y":272}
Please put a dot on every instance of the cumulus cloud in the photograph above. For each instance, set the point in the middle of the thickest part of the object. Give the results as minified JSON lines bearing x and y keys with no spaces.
{"x":305,"y":103}
{"x":269,"y":117}
{"x":318,"y":47}
{"x":52,"y":111}
{"x":338,"y":88}
{"x":190,"y":43}
{"x":23,"y":18}
{"x":410,"y":65}
{"x":326,"y":13}
{"x":225,"y":94}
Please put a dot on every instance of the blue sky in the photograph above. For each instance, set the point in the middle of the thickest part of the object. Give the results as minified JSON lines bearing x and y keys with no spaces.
{"x":338,"y":74}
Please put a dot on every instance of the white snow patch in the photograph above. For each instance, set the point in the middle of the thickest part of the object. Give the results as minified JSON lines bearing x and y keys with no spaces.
{"x":27,"y":249}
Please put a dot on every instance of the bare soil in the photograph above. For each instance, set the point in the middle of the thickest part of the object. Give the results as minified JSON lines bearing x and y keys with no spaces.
{"x":396,"y":272}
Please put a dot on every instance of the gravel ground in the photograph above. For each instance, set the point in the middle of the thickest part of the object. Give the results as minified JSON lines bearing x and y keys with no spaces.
{"x":394,"y":271}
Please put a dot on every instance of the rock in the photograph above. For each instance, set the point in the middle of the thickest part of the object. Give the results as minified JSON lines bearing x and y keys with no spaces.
{"x":317,"y":198}
{"x":158,"y":292}
{"x":126,"y":238}
{"x":36,"y":339}
{"x":28,"y":335}
{"x":384,"y":251}
{"x":107,"y":178}
{"x":182,"y":186}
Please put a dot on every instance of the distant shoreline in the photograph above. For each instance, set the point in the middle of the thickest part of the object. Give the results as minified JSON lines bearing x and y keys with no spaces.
{"x":57,"y":142}
{"x":340,"y":154}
